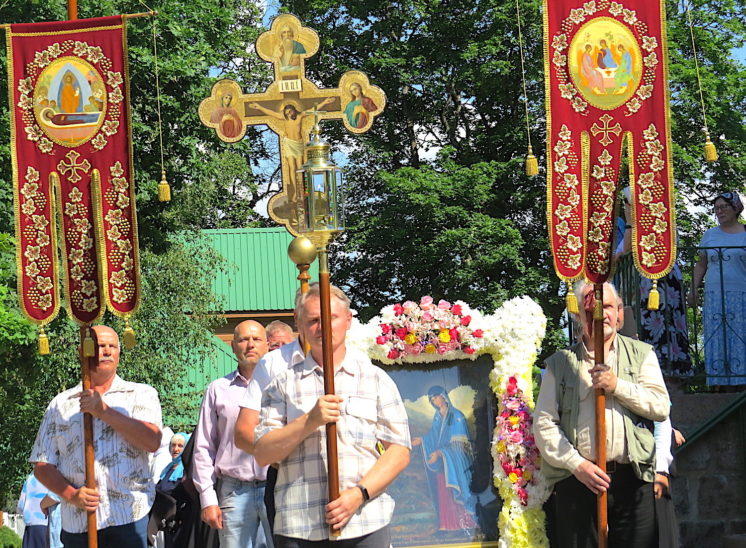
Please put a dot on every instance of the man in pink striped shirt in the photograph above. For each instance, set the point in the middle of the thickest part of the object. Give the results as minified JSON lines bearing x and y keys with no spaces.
{"x":229,"y":481}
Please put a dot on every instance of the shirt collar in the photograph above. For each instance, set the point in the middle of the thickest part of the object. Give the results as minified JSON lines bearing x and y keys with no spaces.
{"x":237,"y":378}
{"x":589,"y":355}
{"x":349,"y":365}
{"x":293,"y":352}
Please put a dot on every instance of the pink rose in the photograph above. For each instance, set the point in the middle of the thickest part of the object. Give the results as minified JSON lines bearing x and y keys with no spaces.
{"x":401,"y":332}
{"x":453,"y":332}
{"x":426,"y":302}
{"x":465,"y":320}
{"x":442,"y":348}
{"x":456,"y":309}
{"x":381,"y":339}
{"x":469,"y":350}
{"x":513,"y":404}
{"x":427,"y":317}
{"x":507,"y":468}
{"x":511,"y":389}
{"x":523,"y":495}
{"x":385,"y":328}
{"x":478,"y":333}
{"x":408,"y":306}
{"x":413,"y":349}
{"x":398,"y":309}
{"x":393,"y":354}
{"x":444,"y":305}
{"x":516,"y":436}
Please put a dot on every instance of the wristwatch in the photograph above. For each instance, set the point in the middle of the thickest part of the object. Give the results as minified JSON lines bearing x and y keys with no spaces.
{"x":364,"y":491}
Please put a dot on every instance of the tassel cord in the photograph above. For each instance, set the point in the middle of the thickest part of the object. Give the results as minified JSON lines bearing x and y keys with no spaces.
{"x":696,"y":68}
{"x":523,"y":72}
{"x":157,"y":94}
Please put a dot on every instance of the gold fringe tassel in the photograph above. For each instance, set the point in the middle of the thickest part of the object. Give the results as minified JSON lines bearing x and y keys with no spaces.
{"x":654,"y":299}
{"x":598,"y":309}
{"x":711,"y":153}
{"x":89,"y":349}
{"x":532,"y":164}
{"x":571,"y":300}
{"x":128,"y":335}
{"x":164,"y":189}
{"x":43,"y":341}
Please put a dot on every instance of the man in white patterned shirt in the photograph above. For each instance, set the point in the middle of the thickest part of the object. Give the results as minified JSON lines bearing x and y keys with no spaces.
{"x":126,"y":428}
{"x":367,"y":408}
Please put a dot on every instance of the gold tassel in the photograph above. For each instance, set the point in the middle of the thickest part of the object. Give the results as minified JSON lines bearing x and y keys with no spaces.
{"x":89,"y":349}
{"x":164,"y":190}
{"x":654,"y":299}
{"x":711,"y":153}
{"x":571,"y":301}
{"x":532,"y":164}
{"x":128,"y":335}
{"x":43,"y":341}
{"x":598,"y":308}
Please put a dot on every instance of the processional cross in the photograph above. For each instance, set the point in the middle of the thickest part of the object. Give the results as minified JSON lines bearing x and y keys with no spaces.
{"x":288,"y":107}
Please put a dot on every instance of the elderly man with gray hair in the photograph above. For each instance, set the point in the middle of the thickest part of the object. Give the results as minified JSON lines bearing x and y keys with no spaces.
{"x":564,"y":427}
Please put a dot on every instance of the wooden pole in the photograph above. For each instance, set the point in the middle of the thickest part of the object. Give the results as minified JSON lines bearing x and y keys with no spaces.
{"x":90,"y":474}
{"x":328,"y":366}
{"x":85,"y":366}
{"x":599,"y":359}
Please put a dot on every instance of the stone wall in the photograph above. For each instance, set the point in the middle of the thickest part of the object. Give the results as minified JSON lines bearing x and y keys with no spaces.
{"x":709,"y":488}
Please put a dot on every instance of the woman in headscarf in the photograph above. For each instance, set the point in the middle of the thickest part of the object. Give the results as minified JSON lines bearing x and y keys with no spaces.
{"x":171,"y":477}
{"x":448,"y":459}
{"x":173,"y":473}
{"x":722,"y":265}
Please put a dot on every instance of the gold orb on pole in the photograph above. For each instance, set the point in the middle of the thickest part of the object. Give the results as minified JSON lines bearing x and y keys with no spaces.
{"x":302,"y":250}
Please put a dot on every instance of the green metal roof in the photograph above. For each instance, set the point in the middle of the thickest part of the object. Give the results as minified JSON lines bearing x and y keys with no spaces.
{"x":264,"y":278}
{"x":218,"y":362}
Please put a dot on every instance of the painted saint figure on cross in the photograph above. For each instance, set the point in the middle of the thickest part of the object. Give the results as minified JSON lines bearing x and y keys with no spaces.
{"x":284,"y":107}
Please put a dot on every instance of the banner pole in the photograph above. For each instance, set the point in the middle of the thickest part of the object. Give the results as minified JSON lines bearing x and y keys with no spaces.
{"x":85,"y":365}
{"x":90,"y":474}
{"x":599,"y":359}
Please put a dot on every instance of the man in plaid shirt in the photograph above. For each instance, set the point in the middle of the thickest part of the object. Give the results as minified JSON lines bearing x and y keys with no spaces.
{"x":367,"y":408}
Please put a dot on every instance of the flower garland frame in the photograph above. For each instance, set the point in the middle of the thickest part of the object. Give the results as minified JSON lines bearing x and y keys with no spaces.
{"x":427,"y":332}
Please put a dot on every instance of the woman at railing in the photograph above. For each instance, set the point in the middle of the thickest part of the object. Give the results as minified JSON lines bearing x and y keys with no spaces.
{"x":722,"y":265}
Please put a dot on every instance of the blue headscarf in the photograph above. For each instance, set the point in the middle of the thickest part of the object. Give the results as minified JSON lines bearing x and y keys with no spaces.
{"x":175,"y":470}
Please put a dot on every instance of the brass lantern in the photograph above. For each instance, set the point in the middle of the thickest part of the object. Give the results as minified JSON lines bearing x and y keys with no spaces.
{"x":322,"y":212}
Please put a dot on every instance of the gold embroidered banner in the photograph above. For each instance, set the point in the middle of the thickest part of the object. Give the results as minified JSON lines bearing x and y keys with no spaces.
{"x":72,"y":158}
{"x":607,"y":93}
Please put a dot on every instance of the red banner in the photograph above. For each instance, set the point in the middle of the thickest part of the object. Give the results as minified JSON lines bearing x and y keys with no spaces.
{"x":72,"y":158}
{"x":607,"y":94}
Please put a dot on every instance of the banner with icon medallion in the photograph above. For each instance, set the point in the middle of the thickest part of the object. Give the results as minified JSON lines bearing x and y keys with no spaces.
{"x":72,"y":168}
{"x":607,"y":96}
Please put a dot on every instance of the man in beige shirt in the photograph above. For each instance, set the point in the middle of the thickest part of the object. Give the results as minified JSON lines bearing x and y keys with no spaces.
{"x":564,"y":427}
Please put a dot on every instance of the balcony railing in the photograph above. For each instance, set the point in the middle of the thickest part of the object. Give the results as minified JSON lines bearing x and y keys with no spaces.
{"x":726,"y":327}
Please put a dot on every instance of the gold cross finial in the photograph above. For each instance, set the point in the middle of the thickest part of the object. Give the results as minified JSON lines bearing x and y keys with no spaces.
{"x":316,"y":113}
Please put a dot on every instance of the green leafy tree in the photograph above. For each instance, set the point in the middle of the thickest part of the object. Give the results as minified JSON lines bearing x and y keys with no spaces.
{"x":438,"y":201}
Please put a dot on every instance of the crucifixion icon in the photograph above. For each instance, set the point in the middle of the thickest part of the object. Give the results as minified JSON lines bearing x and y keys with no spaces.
{"x":289,"y":105}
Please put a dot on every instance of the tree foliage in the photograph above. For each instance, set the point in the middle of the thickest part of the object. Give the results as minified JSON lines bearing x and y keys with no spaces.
{"x":439,"y":202}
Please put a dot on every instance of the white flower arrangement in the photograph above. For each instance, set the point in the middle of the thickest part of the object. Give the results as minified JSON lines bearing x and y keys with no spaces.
{"x":428,"y":333}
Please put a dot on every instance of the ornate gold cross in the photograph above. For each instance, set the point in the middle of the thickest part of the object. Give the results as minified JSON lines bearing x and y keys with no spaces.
{"x":606,"y":129}
{"x":288,"y":105}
